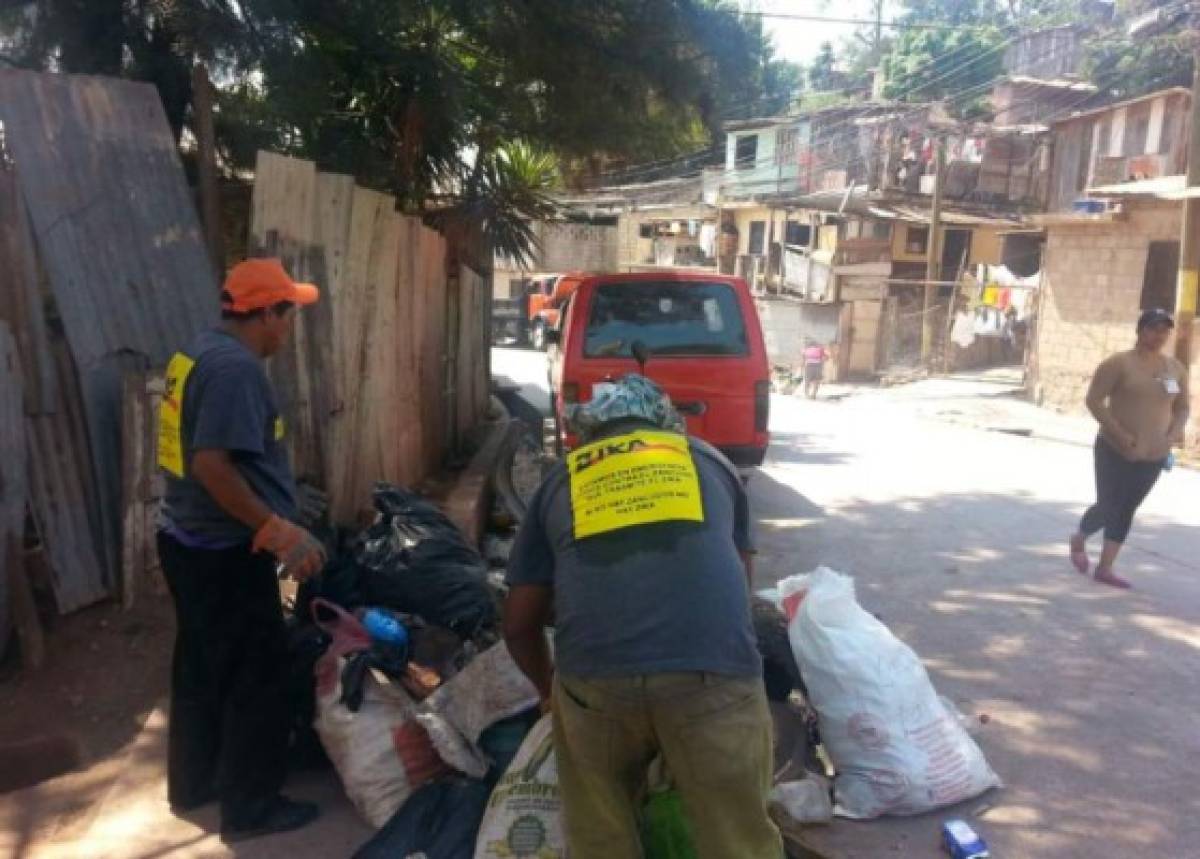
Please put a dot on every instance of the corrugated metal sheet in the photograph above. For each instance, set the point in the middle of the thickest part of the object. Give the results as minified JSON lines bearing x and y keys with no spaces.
{"x":12,"y":469}
{"x":118,"y":235}
{"x":62,"y":495}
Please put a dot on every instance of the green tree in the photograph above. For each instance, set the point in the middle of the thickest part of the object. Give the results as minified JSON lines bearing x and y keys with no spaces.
{"x":820,"y":71}
{"x":425,"y":97}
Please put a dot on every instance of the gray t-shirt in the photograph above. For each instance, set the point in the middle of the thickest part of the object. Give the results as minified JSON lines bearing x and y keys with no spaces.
{"x":649,"y":599}
{"x":228,"y":405}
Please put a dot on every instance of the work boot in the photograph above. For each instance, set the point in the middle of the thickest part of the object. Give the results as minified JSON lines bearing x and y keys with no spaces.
{"x":278,"y":814}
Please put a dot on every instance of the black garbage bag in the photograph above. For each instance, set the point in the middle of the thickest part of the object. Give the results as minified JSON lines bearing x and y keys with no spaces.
{"x":306,"y":644}
{"x":415,"y":561}
{"x":339,"y":582}
{"x":391,"y":659}
{"x":781,"y":674}
{"x":440,"y":821}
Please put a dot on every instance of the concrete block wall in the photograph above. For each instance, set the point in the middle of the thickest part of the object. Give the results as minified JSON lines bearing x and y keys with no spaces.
{"x":1092,"y":281}
{"x":578,"y":247}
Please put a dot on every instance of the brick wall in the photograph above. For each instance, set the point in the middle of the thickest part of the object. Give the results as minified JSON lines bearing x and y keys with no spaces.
{"x":1092,"y":282}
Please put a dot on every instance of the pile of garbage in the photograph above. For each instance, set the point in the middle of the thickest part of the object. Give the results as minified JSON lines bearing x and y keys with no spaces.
{"x":439,"y":743}
{"x":892,"y":745}
{"x":416,"y":703}
{"x":433,"y":730}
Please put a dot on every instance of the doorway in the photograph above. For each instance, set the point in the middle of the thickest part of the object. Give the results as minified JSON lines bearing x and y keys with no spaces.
{"x":956,"y":253}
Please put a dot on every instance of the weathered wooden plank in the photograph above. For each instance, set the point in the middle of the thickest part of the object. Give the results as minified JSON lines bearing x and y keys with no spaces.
{"x":372,"y":364}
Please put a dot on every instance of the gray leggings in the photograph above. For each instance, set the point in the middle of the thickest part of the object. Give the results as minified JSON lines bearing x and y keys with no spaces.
{"x":1121,"y":487}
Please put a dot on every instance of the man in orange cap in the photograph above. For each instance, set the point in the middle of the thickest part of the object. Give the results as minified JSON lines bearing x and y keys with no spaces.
{"x":227,"y":530}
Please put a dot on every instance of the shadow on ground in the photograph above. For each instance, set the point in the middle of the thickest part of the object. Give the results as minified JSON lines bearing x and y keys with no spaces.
{"x":1089,"y":693}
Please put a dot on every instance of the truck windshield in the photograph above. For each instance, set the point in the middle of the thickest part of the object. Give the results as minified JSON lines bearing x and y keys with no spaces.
{"x":671,"y":318}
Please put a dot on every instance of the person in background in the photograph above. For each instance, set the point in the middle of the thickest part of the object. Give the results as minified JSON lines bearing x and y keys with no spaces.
{"x":815,"y":356}
{"x":655,"y":652}
{"x":1140,"y":398}
{"x":227,"y":525}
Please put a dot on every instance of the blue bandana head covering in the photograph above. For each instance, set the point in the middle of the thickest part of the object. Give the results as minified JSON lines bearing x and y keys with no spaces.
{"x":633,"y":397}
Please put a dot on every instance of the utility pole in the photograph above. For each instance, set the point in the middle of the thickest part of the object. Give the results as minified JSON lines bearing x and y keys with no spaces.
{"x":1189,"y":243}
{"x":933,"y":256}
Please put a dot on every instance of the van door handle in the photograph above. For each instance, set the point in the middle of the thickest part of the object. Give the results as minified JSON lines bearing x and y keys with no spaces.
{"x":695,"y":408}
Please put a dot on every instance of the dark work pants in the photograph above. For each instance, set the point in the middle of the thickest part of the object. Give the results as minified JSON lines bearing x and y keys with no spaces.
{"x":1121,"y":487}
{"x":228,"y":726}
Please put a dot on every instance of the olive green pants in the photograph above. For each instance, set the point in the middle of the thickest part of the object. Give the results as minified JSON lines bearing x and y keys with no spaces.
{"x":713,"y":732}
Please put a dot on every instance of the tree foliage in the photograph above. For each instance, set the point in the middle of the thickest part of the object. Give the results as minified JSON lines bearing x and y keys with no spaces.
{"x":820,"y":70}
{"x":428,"y":98}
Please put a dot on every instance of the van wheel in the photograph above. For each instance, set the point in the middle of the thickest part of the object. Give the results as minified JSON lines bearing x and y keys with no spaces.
{"x":537,"y":338}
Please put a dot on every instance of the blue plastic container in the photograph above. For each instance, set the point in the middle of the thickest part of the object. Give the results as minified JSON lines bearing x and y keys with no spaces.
{"x":383,"y":627}
{"x":962,"y":842}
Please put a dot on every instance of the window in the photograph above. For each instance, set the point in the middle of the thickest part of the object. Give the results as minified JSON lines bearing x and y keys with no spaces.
{"x":676,"y":318}
{"x":916,"y":240}
{"x":646,"y":231}
{"x":787,"y":145}
{"x":1170,"y":128}
{"x":1162,"y":269}
{"x":1084,"y":167}
{"x":758,"y":236}
{"x":1104,"y":138}
{"x":881,"y":230}
{"x":1137,"y":130}
{"x":798,"y":234}
{"x":746,"y":152}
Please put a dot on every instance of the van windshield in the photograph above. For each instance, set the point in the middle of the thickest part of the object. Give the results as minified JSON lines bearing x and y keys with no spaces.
{"x":671,"y":318}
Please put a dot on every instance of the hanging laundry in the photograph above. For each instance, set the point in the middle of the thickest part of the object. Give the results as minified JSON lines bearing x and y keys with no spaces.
{"x":963,"y":332}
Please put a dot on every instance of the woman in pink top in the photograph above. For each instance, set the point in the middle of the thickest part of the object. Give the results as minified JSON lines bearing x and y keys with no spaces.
{"x":815,"y":356}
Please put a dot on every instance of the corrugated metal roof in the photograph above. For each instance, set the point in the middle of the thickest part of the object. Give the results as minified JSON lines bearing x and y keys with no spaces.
{"x":1066,"y":84}
{"x":118,"y":235}
{"x":964,"y":219}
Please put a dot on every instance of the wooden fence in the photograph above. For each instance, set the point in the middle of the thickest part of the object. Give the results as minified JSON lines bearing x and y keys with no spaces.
{"x":387,"y":372}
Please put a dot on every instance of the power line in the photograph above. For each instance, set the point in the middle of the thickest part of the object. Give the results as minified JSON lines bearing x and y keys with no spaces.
{"x":871,"y":22}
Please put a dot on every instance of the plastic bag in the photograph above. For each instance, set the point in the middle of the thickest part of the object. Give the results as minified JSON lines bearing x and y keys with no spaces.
{"x":524,"y":814}
{"x":414,"y":560}
{"x":781,"y":675}
{"x":380,"y":751}
{"x":489,"y":689}
{"x":666,"y":831}
{"x":895,"y":748}
{"x":440,"y":821}
{"x":794,"y":804}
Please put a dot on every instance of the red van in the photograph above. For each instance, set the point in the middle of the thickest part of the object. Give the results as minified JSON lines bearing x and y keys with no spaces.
{"x":705,"y":344}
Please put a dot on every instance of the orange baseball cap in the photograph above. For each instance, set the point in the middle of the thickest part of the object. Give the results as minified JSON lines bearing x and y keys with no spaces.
{"x":255,"y":284}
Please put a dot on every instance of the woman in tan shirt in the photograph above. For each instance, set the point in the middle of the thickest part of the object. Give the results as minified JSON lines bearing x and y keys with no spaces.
{"x":1140,"y":398}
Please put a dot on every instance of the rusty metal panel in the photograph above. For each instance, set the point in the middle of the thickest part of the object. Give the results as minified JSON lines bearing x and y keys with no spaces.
{"x":118,"y":234}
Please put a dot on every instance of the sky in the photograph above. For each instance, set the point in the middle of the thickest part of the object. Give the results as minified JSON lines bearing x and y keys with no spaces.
{"x":799,"y":41}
